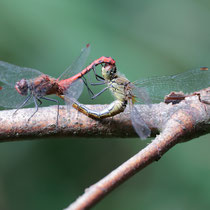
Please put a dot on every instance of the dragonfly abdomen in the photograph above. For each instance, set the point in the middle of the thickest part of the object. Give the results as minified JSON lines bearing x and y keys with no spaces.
{"x":114,"y":108}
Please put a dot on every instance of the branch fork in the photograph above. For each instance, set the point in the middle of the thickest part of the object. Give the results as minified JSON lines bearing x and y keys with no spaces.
{"x":177,"y":123}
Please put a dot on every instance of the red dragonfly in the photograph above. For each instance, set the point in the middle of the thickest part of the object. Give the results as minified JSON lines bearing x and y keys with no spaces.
{"x":23,"y":86}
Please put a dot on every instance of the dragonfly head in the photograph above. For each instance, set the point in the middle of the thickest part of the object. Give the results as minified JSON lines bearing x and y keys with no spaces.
{"x":109,"y":72}
{"x":22,"y":87}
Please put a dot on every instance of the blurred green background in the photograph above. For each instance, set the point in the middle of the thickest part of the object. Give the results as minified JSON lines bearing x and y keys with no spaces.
{"x":146,"y":38}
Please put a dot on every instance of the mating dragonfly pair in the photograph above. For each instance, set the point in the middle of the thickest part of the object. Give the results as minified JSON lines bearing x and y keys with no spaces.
{"x":23,"y":86}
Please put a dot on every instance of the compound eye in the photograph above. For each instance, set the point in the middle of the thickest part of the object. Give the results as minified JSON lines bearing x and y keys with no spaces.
{"x":114,"y":70}
{"x":22,"y":87}
{"x":108,"y":68}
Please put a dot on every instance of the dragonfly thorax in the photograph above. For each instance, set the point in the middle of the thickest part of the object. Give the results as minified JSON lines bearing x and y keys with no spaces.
{"x":42,"y":86}
{"x":22,"y":87}
{"x":129,"y":92}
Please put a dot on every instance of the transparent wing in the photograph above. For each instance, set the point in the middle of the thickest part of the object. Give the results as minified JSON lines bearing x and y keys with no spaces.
{"x":10,"y":73}
{"x":158,"y":87}
{"x":10,"y":98}
{"x":138,"y":123}
{"x":73,"y":92}
{"x":141,"y":94}
{"x":78,"y":64}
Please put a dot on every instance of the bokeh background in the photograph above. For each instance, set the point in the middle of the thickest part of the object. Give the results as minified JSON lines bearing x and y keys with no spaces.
{"x":146,"y":38}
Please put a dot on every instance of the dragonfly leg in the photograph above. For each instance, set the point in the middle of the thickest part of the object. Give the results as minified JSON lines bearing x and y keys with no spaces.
{"x":56,"y":101}
{"x":40,"y":102}
{"x":20,"y":106}
{"x":36,"y":106}
{"x":100,"y":83}
{"x":90,"y":92}
{"x":98,"y":77}
{"x":99,"y":93}
{"x":114,"y":108}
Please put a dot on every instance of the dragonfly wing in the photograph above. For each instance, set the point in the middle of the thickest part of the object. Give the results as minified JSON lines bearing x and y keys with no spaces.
{"x":77,"y":65}
{"x":10,"y":73}
{"x":10,"y":98}
{"x":139,"y":125}
{"x":190,"y":81}
{"x":73,"y":92}
{"x":142,"y":94}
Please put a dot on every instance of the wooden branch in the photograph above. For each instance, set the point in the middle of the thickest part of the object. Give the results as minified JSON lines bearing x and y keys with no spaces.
{"x":74,"y":124}
{"x":179,"y":123}
{"x":71,"y":123}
